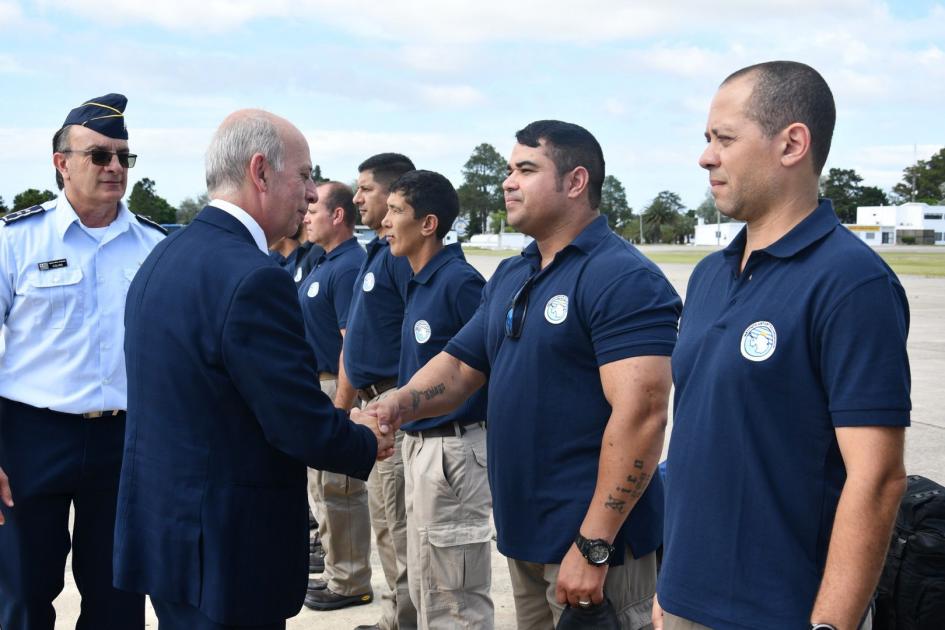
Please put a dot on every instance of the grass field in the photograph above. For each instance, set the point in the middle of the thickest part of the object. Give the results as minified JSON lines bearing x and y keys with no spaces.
{"x":903,"y":261}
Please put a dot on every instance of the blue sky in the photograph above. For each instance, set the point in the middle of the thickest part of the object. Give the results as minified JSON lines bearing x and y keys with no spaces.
{"x":433,"y":79}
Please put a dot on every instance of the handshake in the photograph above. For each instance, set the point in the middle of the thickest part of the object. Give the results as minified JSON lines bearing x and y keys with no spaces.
{"x":383,"y":418}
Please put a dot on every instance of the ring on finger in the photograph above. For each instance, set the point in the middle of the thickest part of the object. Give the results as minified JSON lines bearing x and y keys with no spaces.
{"x":584,"y":604}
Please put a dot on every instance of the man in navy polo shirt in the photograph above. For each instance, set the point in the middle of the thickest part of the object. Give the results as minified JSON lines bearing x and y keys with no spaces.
{"x":369,"y":360}
{"x":344,"y":526}
{"x":574,"y":337}
{"x":792,"y":383}
{"x":447,"y":492}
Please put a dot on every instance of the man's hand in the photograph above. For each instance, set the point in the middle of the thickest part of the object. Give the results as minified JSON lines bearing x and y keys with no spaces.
{"x":6,"y":496}
{"x":385,"y":439}
{"x":579,"y":581}
{"x":388,"y":414}
{"x":657,"y":616}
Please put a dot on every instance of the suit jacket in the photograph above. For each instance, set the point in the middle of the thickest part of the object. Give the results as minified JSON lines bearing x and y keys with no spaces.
{"x":224,"y":414}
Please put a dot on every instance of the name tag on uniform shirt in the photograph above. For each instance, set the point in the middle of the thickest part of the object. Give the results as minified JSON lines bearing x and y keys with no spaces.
{"x":53,"y":264}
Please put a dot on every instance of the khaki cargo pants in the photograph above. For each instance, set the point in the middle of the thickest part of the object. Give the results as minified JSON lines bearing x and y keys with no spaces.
{"x":449,"y":535}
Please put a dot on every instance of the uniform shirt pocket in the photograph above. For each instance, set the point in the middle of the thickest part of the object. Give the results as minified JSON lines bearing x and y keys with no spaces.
{"x":54,"y":298}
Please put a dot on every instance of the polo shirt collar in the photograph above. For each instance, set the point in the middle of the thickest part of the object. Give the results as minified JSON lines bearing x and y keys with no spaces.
{"x":442,"y":257}
{"x":66,"y":216}
{"x":376,"y":243}
{"x":589,"y":238}
{"x":814,"y":227}
{"x":341,"y":248}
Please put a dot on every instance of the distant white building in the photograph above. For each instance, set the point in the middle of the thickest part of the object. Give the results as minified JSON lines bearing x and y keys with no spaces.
{"x":718,"y":234}
{"x":504,"y":240}
{"x":910,"y":223}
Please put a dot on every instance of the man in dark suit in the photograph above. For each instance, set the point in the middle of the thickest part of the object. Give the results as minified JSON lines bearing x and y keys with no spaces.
{"x":224,"y":409}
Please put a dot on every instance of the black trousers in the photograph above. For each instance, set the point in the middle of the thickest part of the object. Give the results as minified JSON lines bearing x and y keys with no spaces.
{"x":55,"y":460}
{"x":174,"y":616}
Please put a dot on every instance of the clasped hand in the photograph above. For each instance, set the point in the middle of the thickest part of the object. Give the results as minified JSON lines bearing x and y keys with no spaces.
{"x":6,"y":496}
{"x":383,"y":425}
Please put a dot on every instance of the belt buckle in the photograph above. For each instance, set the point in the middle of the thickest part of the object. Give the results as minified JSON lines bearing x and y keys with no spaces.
{"x":94,"y":415}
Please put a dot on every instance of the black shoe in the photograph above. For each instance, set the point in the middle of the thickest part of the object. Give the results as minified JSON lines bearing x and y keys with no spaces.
{"x":327,"y":599}
{"x":316,"y":562}
{"x":316,"y":584}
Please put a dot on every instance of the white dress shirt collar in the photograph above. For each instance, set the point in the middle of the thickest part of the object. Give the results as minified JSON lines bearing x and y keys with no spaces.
{"x":243,"y":217}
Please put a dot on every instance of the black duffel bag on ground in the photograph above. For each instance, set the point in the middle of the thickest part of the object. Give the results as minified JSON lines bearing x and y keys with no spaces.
{"x":911,"y":591}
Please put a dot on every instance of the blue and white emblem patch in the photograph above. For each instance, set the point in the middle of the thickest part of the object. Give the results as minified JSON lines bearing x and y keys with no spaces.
{"x":422,"y":331}
{"x":313,"y":290}
{"x":759,"y":341}
{"x":368,"y":284}
{"x":556,"y":310}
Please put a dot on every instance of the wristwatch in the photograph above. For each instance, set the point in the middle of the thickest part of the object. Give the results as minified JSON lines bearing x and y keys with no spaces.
{"x":596,"y":551}
{"x":822,"y":626}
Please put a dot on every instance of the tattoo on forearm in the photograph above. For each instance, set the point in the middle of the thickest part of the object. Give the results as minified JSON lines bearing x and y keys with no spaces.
{"x":615,"y":504}
{"x":636,"y":484}
{"x":427,"y":394}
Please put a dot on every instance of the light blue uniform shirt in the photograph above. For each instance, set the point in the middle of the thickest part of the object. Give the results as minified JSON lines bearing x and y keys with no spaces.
{"x":62,"y":296}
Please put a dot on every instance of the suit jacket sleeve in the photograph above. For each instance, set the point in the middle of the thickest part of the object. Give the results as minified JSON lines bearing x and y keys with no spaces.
{"x":272,"y":366}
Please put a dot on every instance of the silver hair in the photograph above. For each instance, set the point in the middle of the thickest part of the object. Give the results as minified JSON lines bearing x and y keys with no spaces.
{"x":234,"y":144}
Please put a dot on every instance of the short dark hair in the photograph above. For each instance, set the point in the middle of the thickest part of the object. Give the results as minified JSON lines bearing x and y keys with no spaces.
{"x":340,"y":196}
{"x":787,"y":92}
{"x":429,"y":193}
{"x":569,"y":147}
{"x":60,"y":143}
{"x":386,"y":167}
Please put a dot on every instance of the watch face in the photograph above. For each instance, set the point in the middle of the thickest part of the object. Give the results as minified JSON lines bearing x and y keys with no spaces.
{"x":598,"y":554}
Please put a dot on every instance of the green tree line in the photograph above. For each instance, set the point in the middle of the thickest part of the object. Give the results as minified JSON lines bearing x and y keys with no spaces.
{"x":665,"y":219}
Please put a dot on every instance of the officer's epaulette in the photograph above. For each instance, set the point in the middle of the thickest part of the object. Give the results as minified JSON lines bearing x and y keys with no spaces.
{"x":22,"y":214}
{"x":150,"y":223}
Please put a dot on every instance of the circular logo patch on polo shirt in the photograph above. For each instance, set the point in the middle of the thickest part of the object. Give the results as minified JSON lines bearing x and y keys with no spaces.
{"x":313,"y":289}
{"x":421,"y":331}
{"x":556,"y":310}
{"x":759,"y":341}
{"x":298,"y":274}
{"x":368,"y":284}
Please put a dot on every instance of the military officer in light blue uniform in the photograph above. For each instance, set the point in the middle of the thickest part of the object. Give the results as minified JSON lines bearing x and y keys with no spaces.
{"x":65,"y":267}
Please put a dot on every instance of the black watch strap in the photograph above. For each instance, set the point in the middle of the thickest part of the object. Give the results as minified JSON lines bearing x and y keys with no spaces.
{"x":596,"y":551}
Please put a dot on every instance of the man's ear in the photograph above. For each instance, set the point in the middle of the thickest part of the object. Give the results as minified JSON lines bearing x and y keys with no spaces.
{"x":59,"y":162}
{"x":795,"y":144}
{"x":258,"y":172}
{"x":430,"y":223}
{"x":575,"y":182}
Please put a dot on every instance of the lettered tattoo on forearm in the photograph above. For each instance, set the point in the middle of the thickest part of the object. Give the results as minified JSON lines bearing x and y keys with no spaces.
{"x":636,"y":484}
{"x":416,"y":395}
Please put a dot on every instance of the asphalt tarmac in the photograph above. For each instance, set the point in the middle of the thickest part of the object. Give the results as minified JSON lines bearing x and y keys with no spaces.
{"x":925,"y":446}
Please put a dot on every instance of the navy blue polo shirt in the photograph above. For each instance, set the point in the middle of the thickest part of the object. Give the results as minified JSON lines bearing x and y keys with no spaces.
{"x":440,"y":300}
{"x":372,"y":341}
{"x":325,"y":296}
{"x":598,"y":301}
{"x":811,"y":336}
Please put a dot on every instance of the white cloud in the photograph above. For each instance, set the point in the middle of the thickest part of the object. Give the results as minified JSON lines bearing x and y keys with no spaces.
{"x":614,"y":107}
{"x":439,"y":59}
{"x":10,"y":65}
{"x":485,"y":20}
{"x":451,"y":95}
{"x":10,"y":13}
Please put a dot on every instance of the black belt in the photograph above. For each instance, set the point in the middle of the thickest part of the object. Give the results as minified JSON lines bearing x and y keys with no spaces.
{"x":450,"y":429}
{"x":376,"y":389}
